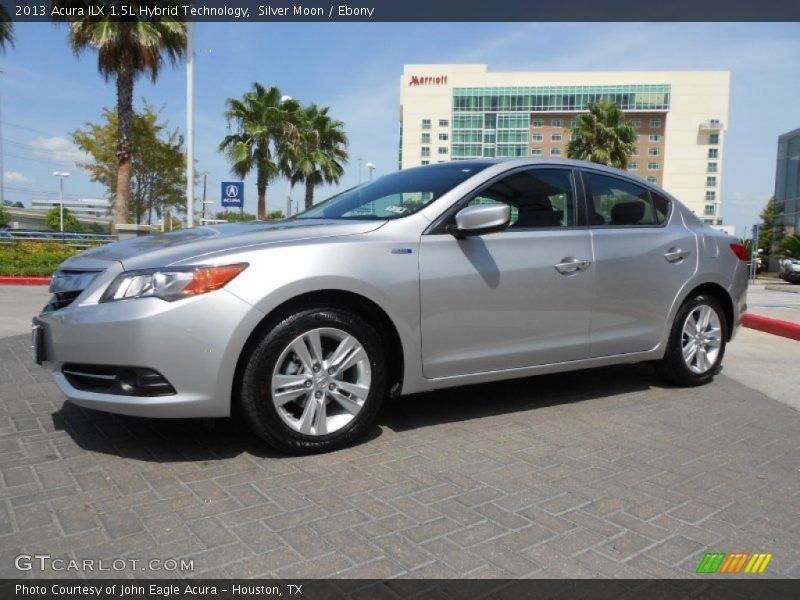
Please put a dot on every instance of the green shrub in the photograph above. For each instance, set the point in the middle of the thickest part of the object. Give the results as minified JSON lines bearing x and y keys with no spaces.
{"x":33,"y":258}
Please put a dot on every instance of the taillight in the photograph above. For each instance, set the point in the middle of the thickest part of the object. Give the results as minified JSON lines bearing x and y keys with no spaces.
{"x":740,"y":250}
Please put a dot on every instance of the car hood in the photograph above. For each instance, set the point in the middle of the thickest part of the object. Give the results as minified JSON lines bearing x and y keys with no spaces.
{"x":165,"y":249}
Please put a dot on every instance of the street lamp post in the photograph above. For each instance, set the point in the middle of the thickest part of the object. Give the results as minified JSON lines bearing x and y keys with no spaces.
{"x":189,"y":125}
{"x":371,"y":167}
{"x":61,"y":175}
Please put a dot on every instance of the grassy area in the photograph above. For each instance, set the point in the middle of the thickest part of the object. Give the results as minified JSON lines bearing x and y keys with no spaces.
{"x":33,"y":258}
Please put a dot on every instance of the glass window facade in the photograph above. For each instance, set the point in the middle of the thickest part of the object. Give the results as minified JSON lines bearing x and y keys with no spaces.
{"x":713,"y":138}
{"x":425,"y":151}
{"x":633,"y":166}
{"x":711,"y":181}
{"x":652,"y":166}
{"x":444,"y":123}
{"x":555,"y":151}
{"x":787,"y":181}
{"x":442,"y":150}
{"x":654,"y":137}
{"x":443,"y":137}
{"x":507,"y":111}
{"x":655,"y":123}
{"x":653,"y":152}
{"x":653,"y":179}
{"x":712,"y":167}
{"x":560,"y":98}
{"x":536,"y":151}
{"x":711,"y":195}
{"x":537,"y":137}
{"x":426,"y":123}
{"x":713,"y":153}
{"x":426,"y":138}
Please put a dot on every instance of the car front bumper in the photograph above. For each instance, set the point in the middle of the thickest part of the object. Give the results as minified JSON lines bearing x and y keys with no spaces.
{"x":193,"y":343}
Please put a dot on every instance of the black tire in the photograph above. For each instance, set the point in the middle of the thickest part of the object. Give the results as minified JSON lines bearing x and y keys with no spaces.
{"x":673,"y":367}
{"x":258,"y":408}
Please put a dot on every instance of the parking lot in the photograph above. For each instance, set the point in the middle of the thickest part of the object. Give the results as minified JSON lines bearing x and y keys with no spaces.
{"x":602,"y":473}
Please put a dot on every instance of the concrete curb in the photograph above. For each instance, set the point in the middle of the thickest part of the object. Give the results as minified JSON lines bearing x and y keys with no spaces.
{"x":15,"y":280}
{"x":783,"y":288}
{"x":773,"y":326}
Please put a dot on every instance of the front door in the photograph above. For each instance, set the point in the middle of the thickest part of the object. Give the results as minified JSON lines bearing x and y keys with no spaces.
{"x":512,"y":299}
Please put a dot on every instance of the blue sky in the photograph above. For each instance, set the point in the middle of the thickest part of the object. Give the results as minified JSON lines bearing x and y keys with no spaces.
{"x":355,"y":68}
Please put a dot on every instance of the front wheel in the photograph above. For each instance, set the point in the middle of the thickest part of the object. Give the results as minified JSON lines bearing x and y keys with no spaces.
{"x":315,"y":382}
{"x":696,"y":343}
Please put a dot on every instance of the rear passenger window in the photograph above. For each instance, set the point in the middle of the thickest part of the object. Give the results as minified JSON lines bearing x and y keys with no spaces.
{"x":615,"y":202}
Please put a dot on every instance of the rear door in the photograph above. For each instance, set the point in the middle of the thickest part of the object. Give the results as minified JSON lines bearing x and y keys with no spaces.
{"x":643,"y":256}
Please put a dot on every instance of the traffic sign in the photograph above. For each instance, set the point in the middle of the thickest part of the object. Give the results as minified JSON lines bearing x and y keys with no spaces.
{"x":233,"y":194}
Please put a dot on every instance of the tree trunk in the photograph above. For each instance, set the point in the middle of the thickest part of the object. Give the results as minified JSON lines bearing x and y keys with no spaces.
{"x":125,"y":132}
{"x":309,"y":194}
{"x":262,"y":202}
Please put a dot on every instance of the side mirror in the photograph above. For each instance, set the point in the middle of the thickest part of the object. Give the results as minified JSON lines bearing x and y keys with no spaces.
{"x":481,"y":219}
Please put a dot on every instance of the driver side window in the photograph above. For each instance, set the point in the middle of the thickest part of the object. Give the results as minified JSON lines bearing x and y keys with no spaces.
{"x":539,"y":198}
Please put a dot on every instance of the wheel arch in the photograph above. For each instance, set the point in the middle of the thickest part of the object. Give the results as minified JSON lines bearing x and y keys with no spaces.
{"x":352,"y":301}
{"x":721,"y":295}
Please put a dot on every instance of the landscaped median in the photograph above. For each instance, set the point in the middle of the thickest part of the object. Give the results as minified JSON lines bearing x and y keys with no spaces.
{"x":32,"y":263}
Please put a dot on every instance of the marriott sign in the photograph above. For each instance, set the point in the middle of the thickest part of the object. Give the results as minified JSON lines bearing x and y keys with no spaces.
{"x":428,"y":80}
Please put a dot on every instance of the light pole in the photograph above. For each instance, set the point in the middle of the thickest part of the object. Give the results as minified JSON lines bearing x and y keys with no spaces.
{"x":371,"y":167}
{"x":359,"y":169}
{"x":61,"y":175}
{"x":189,"y":125}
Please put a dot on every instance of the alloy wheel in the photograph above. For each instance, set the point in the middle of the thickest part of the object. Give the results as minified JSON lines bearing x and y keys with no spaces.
{"x":701,"y":339}
{"x":321,"y":381}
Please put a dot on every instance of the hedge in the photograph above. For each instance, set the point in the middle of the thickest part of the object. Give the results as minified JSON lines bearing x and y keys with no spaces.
{"x":33,"y":258}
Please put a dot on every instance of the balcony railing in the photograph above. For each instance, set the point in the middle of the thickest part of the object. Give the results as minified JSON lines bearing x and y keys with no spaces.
{"x":711,"y":125}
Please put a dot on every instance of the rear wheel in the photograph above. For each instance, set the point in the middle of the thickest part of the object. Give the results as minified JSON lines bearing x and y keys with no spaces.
{"x":315,"y":382}
{"x":696,"y":343}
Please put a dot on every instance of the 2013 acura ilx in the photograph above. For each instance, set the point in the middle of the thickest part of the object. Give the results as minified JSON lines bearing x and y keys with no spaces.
{"x":438,"y":276}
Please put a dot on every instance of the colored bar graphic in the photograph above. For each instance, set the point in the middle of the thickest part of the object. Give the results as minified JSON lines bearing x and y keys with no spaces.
{"x":711,"y":562}
{"x":758,"y":563}
{"x":720,"y":562}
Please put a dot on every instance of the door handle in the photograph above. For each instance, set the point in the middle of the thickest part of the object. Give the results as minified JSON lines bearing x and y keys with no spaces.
{"x":570,"y":265}
{"x":674,"y":255}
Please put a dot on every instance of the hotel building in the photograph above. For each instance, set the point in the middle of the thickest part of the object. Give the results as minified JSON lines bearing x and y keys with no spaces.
{"x":454,"y":112}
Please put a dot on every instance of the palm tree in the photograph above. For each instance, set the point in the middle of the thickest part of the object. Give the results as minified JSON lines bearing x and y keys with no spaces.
{"x":320,"y":153}
{"x":265,"y":122}
{"x":126,"y":49}
{"x":6,"y":29}
{"x":602,"y":136}
{"x":790,"y":246}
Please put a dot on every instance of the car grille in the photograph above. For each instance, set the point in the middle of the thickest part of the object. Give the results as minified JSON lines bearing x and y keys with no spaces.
{"x":112,"y":379}
{"x":67,"y":285}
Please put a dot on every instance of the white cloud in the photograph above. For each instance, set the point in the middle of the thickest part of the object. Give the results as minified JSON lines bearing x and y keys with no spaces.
{"x":57,"y":148}
{"x":17,"y":177}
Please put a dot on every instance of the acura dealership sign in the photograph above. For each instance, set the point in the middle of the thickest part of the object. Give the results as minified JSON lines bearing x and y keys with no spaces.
{"x":428,"y":80}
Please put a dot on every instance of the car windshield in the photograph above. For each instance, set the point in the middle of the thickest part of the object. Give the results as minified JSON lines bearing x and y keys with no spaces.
{"x":397,"y":195}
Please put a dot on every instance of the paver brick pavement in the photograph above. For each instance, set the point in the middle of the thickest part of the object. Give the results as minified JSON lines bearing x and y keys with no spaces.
{"x":599,"y":473}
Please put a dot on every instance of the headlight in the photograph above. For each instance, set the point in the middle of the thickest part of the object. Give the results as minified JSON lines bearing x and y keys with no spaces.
{"x":170,"y":283}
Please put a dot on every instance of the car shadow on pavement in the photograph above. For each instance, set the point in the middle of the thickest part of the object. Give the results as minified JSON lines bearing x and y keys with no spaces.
{"x":488,"y":399}
{"x":180,"y":440}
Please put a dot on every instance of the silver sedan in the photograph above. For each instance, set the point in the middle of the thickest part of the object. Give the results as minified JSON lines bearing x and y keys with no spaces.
{"x":445,"y":275}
